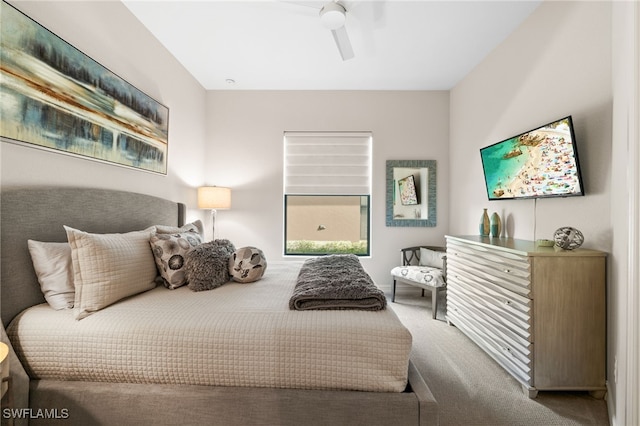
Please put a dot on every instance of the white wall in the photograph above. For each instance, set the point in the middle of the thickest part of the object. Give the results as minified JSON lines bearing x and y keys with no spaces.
{"x":624,"y":295}
{"x":245,"y":152}
{"x":112,"y":36}
{"x":557,"y":63}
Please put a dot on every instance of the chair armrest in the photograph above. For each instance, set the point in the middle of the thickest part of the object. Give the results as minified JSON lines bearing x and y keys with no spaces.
{"x":444,"y":268}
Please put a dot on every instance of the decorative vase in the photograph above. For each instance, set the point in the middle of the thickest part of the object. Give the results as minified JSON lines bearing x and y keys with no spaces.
{"x":496,"y":225}
{"x":484,"y":224}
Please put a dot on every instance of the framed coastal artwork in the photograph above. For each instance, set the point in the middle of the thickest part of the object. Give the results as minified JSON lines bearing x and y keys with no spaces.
{"x":408,"y":193}
{"x":57,"y":98}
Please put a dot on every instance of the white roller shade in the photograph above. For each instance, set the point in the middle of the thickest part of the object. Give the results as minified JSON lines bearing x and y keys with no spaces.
{"x":327,"y":163}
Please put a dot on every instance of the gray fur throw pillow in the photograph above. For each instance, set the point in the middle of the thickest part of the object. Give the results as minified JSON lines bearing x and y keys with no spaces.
{"x":207,"y":265}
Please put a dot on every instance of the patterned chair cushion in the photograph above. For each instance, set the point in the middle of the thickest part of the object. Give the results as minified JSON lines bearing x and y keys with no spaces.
{"x":421,"y":274}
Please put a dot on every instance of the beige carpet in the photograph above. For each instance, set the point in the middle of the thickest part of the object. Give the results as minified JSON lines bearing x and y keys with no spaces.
{"x":471,"y":388}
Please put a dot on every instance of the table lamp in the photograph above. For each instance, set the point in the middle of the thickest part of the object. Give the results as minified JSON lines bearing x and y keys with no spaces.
{"x":214,"y":198}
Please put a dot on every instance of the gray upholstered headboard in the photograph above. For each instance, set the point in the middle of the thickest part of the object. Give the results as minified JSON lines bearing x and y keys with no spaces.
{"x":39,"y":213}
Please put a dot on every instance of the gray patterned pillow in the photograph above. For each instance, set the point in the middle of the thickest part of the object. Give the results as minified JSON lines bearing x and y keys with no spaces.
{"x":169,"y":251}
{"x":247,"y":264}
{"x":195,"y":226}
{"x":207,"y":265}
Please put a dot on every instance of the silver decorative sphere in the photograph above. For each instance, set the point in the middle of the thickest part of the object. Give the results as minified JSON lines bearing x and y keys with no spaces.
{"x":568,"y":238}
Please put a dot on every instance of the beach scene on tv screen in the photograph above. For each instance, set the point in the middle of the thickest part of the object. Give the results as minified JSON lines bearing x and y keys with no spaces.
{"x":539,"y":163}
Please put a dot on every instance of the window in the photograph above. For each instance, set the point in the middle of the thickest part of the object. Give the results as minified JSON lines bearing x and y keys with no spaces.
{"x":327,"y":187}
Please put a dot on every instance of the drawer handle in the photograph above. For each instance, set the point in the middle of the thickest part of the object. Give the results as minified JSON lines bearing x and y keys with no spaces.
{"x":507,"y":302}
{"x":507,"y":350}
{"x":508,"y":271}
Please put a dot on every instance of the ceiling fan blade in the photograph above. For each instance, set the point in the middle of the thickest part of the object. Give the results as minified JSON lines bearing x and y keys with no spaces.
{"x":307,"y":3}
{"x":342,"y":41}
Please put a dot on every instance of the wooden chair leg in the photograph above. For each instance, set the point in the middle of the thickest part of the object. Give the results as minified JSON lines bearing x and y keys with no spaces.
{"x":393,"y":291}
{"x":434,"y":302}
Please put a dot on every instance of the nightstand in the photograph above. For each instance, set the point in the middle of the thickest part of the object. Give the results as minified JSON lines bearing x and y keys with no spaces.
{"x":7,"y":394}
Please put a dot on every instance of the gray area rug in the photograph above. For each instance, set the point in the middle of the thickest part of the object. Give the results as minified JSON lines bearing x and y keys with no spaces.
{"x":471,"y":388}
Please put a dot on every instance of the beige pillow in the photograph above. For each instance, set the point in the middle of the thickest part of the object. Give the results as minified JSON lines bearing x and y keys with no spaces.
{"x":109,"y":267}
{"x":52,"y":263}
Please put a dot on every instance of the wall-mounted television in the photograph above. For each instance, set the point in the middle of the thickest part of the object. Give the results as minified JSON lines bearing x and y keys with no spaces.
{"x":542,"y":162}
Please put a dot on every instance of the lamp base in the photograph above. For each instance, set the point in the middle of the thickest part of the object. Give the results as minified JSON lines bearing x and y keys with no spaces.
{"x":214,"y":213}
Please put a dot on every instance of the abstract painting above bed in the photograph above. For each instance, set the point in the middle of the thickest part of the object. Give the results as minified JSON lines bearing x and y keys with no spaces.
{"x":56,"y":97}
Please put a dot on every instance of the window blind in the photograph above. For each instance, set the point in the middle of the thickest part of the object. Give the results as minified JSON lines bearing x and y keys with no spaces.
{"x":327,"y":163}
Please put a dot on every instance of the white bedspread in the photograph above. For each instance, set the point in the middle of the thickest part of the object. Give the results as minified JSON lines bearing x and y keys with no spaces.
{"x":235,"y":335}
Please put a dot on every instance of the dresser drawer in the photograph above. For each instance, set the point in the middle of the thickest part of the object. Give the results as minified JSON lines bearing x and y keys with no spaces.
{"x":508,"y":309}
{"x":505,"y":269}
{"x":511,"y":359}
{"x":506,"y":332}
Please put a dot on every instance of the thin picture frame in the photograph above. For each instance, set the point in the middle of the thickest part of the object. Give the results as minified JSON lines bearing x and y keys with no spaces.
{"x":408,"y":193}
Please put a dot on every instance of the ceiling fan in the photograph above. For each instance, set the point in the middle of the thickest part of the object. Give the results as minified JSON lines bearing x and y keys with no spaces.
{"x":333,"y":16}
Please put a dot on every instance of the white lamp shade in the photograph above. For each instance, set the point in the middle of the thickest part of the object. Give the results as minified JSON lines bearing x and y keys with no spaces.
{"x":214,"y":197}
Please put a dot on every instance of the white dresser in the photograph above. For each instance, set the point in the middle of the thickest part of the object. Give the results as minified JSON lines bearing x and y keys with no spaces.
{"x":540,"y":312}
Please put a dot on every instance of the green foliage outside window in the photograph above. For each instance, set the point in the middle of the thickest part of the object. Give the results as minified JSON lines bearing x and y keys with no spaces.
{"x":327,"y":247}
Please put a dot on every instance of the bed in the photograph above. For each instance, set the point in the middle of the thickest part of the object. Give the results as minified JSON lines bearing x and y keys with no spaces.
{"x":233,"y":355}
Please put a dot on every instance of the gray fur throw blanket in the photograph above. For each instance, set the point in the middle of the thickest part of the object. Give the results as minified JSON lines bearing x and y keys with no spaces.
{"x":335,"y":282}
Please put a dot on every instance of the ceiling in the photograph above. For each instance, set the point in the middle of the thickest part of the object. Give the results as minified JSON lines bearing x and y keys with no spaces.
{"x":282,"y":45}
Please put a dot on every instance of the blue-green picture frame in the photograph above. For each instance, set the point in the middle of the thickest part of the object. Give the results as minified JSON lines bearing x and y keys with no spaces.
{"x":425,"y":176}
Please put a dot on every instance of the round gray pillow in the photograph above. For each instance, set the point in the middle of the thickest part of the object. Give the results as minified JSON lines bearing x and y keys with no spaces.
{"x":247,"y":264}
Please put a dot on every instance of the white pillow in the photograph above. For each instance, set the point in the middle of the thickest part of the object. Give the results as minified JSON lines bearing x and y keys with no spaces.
{"x":52,"y":263}
{"x":109,"y":267}
{"x":432,"y":258}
